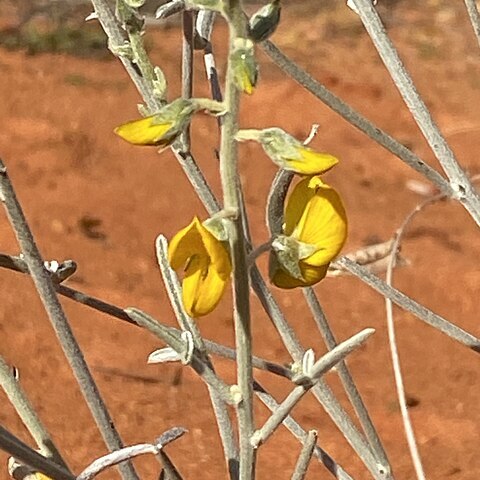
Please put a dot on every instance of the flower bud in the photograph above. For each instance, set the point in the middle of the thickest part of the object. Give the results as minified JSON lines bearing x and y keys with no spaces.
{"x":245,"y":71}
{"x":288,"y":153}
{"x":264,"y":22}
{"x":160,"y":129}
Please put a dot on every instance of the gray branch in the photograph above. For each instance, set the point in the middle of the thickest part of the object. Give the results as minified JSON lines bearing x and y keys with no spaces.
{"x":58,"y":319}
{"x":305,"y":456}
{"x":461,"y":186}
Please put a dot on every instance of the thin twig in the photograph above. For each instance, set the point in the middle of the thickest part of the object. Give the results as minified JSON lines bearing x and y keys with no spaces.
{"x":26,"y":455}
{"x":18,"y":264}
{"x":276,"y":201}
{"x":58,"y":319}
{"x":128,"y":453}
{"x":323,"y":365}
{"x":169,"y":469}
{"x":462,"y":189}
{"x":28,"y":415}
{"x":472,"y":10}
{"x":397,"y":370}
{"x":221,"y":413}
{"x":346,"y":378}
{"x":353,"y":117}
{"x":322,"y":392}
{"x":196,"y":362}
{"x":170,"y":8}
{"x":421,"y":312}
{"x":299,"y":433}
{"x":205,"y":21}
{"x":305,"y":456}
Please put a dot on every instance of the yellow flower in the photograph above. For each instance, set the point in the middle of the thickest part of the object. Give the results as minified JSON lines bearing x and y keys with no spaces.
{"x":316,"y":222}
{"x":206,"y":264}
{"x":288,"y":153}
{"x":160,"y":129}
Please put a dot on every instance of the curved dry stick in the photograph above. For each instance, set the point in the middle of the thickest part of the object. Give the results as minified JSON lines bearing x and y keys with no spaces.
{"x":407,"y":424}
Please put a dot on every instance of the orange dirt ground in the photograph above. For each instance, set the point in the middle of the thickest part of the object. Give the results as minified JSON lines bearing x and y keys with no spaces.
{"x":93,"y":198}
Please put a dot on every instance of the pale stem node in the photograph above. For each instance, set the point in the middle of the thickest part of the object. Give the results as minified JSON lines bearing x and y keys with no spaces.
{"x":319,"y":368}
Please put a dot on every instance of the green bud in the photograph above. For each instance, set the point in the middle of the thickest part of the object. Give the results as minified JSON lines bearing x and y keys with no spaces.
{"x":245,"y":69}
{"x":128,"y":16}
{"x":264,"y":22}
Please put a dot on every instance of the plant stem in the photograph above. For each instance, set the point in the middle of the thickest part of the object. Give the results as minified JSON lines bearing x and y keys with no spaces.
{"x":472,"y":10}
{"x":461,"y":186}
{"x":241,"y":288}
{"x":405,"y":302}
{"x":23,"y":453}
{"x":28,"y":415}
{"x":171,"y":338}
{"x":355,"y":118}
{"x":298,"y":432}
{"x":46,"y":290}
{"x":345,"y":377}
{"x":321,"y":366}
{"x":305,"y":456}
{"x":186,"y":323}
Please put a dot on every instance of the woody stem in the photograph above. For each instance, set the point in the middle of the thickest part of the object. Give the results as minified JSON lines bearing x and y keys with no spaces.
{"x":241,"y":289}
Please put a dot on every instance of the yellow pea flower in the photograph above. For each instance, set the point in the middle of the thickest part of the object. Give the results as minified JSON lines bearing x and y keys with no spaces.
{"x":160,"y":129}
{"x":207,"y":267}
{"x":315,"y":220}
{"x":288,"y":153}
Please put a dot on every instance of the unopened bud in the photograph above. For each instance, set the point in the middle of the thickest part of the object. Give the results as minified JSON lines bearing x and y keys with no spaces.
{"x":245,"y":69}
{"x":264,"y":22}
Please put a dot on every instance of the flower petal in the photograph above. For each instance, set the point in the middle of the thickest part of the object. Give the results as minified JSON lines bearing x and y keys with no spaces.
{"x":146,"y":131}
{"x":217,"y":253}
{"x":323,"y":224}
{"x":207,"y":267}
{"x":311,"y":275}
{"x":202,"y":286}
{"x":310,"y":162}
{"x":297,"y":202}
{"x":185,"y":244}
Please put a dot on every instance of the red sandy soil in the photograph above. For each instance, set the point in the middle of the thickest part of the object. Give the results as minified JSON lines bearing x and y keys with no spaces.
{"x":93,"y":198}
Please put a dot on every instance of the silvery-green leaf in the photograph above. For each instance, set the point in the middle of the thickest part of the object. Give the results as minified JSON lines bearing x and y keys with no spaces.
{"x":217,"y":227}
{"x":164,"y":355}
{"x":135,"y":3}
